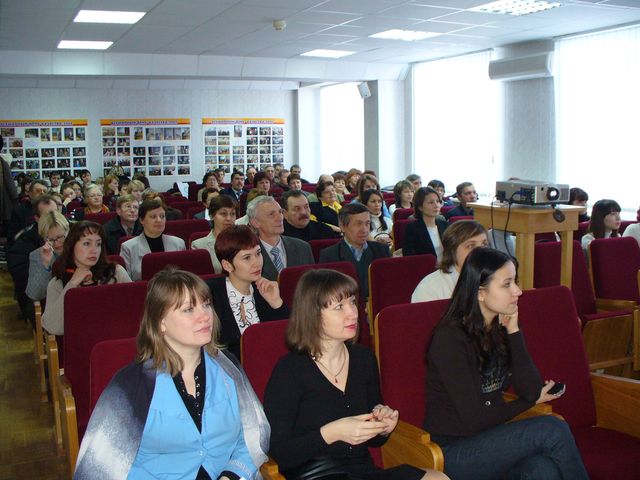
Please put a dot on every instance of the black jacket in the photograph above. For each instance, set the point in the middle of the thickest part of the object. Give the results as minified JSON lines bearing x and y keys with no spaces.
{"x":313,"y":231}
{"x":114,"y":230}
{"x":417,"y":240}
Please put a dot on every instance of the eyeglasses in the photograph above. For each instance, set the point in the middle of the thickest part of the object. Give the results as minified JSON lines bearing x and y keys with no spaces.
{"x":56,"y":239}
{"x":130,"y":207}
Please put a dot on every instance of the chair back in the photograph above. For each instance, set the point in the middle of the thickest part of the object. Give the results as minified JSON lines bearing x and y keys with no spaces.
{"x":402,"y":336}
{"x":196,"y":236}
{"x":546,"y":273}
{"x":194,"y":261}
{"x":582,"y":229}
{"x":193,"y":211}
{"x":392,"y":280}
{"x":184,"y":228}
{"x":100,"y":218}
{"x":261,"y":346}
{"x":318,"y":245}
{"x":193,"y":191}
{"x":402,"y":214}
{"x":615,"y":263}
{"x":399,"y":228}
{"x":624,"y":224}
{"x":106,"y":359}
{"x":460,"y":217}
{"x":446,"y":208}
{"x":117,"y":259}
{"x":123,"y":239}
{"x":184,"y":207}
{"x":91,"y":315}
{"x":170,"y":200}
{"x":309,"y":187}
{"x":290,"y":276}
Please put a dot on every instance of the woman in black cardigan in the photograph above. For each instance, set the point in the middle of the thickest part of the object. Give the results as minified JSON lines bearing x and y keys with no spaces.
{"x":243,"y":297}
{"x":429,"y":226}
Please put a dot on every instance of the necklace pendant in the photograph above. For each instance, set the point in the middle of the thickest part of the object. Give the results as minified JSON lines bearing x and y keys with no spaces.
{"x":336,"y":379}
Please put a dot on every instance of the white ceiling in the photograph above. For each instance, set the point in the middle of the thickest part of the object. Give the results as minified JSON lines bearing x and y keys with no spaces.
{"x":243,"y":28}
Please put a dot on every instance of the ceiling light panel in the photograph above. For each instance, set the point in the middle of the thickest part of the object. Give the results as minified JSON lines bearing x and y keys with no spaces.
{"x":319,"y":52}
{"x":84,"y":45}
{"x":515,"y":7}
{"x":404,"y":35}
{"x":108,"y":16}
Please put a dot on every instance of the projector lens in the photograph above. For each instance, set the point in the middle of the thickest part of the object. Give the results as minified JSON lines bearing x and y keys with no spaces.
{"x":553,"y":193}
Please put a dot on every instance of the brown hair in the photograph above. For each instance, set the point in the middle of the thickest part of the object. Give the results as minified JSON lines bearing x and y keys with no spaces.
{"x":315,"y":291}
{"x":320,"y":187}
{"x":107,"y":181}
{"x":127,"y":198}
{"x":150,"y":205}
{"x":232,"y":240}
{"x":363,"y":179}
{"x":166,"y":291}
{"x":455,"y":235}
{"x":418,"y":199}
{"x":221,"y":201}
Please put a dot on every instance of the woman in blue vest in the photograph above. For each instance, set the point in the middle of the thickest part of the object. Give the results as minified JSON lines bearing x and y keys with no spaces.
{"x":183,"y":409}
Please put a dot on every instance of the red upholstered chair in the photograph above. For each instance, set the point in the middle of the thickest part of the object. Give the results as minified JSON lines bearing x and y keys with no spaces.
{"x":392,"y":280}
{"x":606,"y":328}
{"x":624,"y":224}
{"x":194,"y":211}
{"x":104,"y":362}
{"x":602,"y":411}
{"x":195,"y":236}
{"x":92,"y":314}
{"x":73,"y":206}
{"x":546,"y":237}
{"x":184,"y":207}
{"x":121,"y":240}
{"x":194,"y":261}
{"x":118,"y":259}
{"x":389,"y":201}
{"x":100,"y":218}
{"x":446,"y":208}
{"x":614,"y":264}
{"x":309,"y":187}
{"x":184,"y":228}
{"x":402,"y":214}
{"x":350,"y":196}
{"x":170,"y":200}
{"x":318,"y":245}
{"x":193,"y":191}
{"x":460,"y":217}
{"x":582,"y":229}
{"x":275,"y":191}
{"x":399,"y":228}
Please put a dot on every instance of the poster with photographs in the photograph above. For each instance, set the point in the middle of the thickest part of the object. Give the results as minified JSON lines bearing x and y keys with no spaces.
{"x":41,"y":147}
{"x":155,"y":147}
{"x":238,"y":143}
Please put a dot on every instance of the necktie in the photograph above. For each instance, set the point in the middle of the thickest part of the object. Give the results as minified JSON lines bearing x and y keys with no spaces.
{"x":277,"y":260}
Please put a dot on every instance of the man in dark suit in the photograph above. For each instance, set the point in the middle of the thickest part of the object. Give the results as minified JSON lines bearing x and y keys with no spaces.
{"x":297,"y":218}
{"x":355,"y":223}
{"x":125,"y":224}
{"x":278,"y":251}
{"x":466,"y":193}
{"x":22,"y":214}
{"x":235,"y":191}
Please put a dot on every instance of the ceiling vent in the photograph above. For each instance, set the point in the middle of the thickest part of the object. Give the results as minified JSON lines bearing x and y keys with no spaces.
{"x":521,"y":68}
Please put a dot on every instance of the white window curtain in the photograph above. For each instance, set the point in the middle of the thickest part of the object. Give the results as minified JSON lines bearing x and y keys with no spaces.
{"x":597,"y":85}
{"x":342,"y":128}
{"x":456,"y":122}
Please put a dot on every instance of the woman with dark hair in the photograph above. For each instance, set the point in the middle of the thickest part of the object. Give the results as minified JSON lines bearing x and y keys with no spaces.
{"x":261,"y":182}
{"x":369,"y":182}
{"x":477,"y":352}
{"x":208,"y":181}
{"x":424,"y":235}
{"x":326,"y":209}
{"x":579,"y":197}
{"x":438,"y":186}
{"x":458,"y":241}
{"x":183,"y":409}
{"x":381,"y":227}
{"x":352,"y":178}
{"x":323,"y":399}
{"x":222,"y":213}
{"x":604,"y":223}
{"x":243,"y":296}
{"x":403,"y":192}
{"x":83,"y":262}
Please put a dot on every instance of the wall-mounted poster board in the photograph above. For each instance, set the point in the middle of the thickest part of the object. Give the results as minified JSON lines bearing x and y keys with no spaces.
{"x":40,"y":147}
{"x":152,"y":146}
{"x":237,"y":143}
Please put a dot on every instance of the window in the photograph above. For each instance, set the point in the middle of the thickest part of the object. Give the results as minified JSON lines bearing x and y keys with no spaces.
{"x":597,"y":104}
{"x":456,"y":122}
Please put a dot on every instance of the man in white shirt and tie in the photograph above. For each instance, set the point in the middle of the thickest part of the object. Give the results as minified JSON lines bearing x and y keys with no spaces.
{"x":278,"y":251}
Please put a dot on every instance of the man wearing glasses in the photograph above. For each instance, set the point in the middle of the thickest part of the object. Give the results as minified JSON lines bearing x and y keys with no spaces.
{"x":466,"y":193}
{"x":125,"y":224}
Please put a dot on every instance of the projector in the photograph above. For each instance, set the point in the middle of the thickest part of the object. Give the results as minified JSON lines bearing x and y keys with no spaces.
{"x":531,"y":192}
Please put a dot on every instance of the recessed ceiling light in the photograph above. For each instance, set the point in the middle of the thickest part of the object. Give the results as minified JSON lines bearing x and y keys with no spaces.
{"x":515,"y":7}
{"x":406,"y":35}
{"x":107,"y":16}
{"x":327,"y":53}
{"x":84,"y":45}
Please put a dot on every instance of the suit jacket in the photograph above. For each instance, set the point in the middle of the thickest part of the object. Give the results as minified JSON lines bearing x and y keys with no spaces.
{"x":324,"y":214}
{"x":417,"y":240}
{"x":298,"y":253}
{"x":340,"y":252}
{"x":231,"y":193}
{"x":229,"y":331}
{"x":133,"y":250}
{"x":114,"y":230}
{"x":313,"y":231}
{"x":459,"y":211}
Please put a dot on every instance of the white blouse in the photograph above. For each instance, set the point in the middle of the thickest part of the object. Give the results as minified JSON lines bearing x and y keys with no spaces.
{"x":235,"y":300}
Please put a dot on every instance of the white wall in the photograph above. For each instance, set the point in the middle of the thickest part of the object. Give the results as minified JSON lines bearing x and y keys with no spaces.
{"x":94,"y":104}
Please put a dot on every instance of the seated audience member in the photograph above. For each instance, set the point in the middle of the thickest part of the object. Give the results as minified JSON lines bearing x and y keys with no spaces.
{"x":54,"y":179}
{"x":112,"y":185}
{"x":381,"y":226}
{"x":270,"y":171}
{"x":251,"y":173}
{"x":222,"y":213}
{"x":85,"y":177}
{"x":205,"y":199}
{"x":125,"y":224}
{"x":297,"y":218}
{"x":135,"y":188}
{"x":198,"y":405}
{"x":351,"y":179}
{"x":294,"y":183}
{"x":57,"y":197}
{"x":93,"y":198}
{"x":251,"y":196}
{"x":281,"y":179}
{"x":369,"y":181}
{"x":83,"y":262}
{"x":415,"y":180}
{"x":53,"y":228}
{"x":403,"y":192}
{"x":466,"y":193}
{"x":424,"y":235}
{"x":77,"y":189}
{"x":476,"y":353}
{"x":326,"y":209}
{"x":320,"y":426}
{"x":604,"y":223}
{"x":243,"y":296}
{"x":340,"y":184}
{"x":219,"y":175}
{"x":579,"y":198}
{"x":313,"y":197}
{"x":262,"y":183}
{"x":265,"y":216}
{"x":297,"y":170}
{"x":172,"y":213}
{"x":355,"y":223}
{"x":458,"y":240}
{"x":210,"y":180}
{"x":142,"y":178}
{"x":438,"y":186}
{"x":27,"y":240}
{"x":68,"y":194}
{"x":152,"y":215}
{"x":235,"y":190}
{"x":278,"y":167}
{"x":24,"y":181}
{"x":633,"y":230}
{"x":22,"y":213}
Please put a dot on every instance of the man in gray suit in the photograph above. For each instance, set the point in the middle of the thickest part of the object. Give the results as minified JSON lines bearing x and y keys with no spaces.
{"x":278,"y":251}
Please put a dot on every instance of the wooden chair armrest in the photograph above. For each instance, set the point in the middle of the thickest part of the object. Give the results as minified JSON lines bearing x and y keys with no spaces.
{"x":40,"y":350}
{"x":269,"y":470}
{"x":535,"y":411}
{"x":617,"y":403}
{"x":69,"y":422}
{"x":413,"y":446}
{"x":606,"y":304}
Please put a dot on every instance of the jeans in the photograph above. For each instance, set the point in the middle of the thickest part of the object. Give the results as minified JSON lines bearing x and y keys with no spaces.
{"x":535,"y":448}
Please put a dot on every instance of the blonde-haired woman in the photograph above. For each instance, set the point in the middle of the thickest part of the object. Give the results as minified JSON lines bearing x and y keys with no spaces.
{"x":93,"y":198}
{"x":135,"y":188}
{"x":183,"y":409}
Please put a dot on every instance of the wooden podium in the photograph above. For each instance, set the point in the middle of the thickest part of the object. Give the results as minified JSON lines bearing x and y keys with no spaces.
{"x":525,"y":222}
